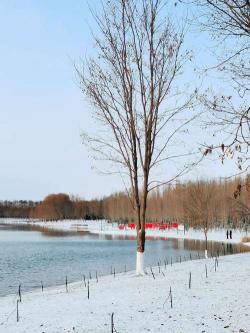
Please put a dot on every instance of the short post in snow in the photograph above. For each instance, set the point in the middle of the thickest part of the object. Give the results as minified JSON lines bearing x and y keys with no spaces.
{"x":19,"y":293}
{"x":159,"y":267}
{"x":190,"y":256}
{"x":66,"y":284}
{"x":96,"y":276}
{"x":114,"y":272}
{"x":88,"y":289}
{"x":112,"y":322}
{"x":152,"y":272}
{"x":42,"y":285}
{"x":171,"y":298}
{"x":190,"y":279}
{"x":206,"y":269}
{"x":17,"y":311}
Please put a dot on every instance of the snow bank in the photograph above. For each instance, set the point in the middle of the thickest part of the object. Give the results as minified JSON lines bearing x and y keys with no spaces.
{"x":219,"y":303}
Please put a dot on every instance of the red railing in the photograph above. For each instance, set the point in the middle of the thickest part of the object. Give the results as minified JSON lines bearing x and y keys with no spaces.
{"x":152,"y":225}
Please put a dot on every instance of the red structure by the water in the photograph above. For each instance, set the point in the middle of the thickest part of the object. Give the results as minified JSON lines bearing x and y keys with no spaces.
{"x":152,"y":225}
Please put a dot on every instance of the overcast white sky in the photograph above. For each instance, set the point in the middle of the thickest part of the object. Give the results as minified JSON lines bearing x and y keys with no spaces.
{"x":42,"y":111}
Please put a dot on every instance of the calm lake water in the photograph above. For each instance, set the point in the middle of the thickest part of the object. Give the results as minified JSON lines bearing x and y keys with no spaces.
{"x":29,"y":255}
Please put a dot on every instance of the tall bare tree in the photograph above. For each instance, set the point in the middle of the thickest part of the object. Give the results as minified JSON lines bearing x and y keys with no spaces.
{"x":132,"y":86}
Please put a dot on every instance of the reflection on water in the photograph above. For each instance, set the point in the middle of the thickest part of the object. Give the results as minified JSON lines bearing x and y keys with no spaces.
{"x":30,"y":254}
{"x":215,"y":248}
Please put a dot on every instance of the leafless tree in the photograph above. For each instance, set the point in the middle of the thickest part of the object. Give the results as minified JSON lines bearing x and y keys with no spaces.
{"x":228,"y":22}
{"x":199,"y":206}
{"x":132,"y":86}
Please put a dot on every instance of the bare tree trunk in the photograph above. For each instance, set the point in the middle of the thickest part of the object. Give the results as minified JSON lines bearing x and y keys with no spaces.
{"x":205,"y":231}
{"x":141,"y":228}
{"x":140,"y":240}
{"x":140,"y":251}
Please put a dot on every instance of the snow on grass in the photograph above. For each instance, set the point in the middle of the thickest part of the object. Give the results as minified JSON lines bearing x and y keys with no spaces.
{"x":219,"y":303}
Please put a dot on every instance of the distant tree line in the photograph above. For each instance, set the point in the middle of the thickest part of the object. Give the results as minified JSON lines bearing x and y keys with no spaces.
{"x":194,"y":204}
{"x":53,"y":207}
{"x":17,"y":208}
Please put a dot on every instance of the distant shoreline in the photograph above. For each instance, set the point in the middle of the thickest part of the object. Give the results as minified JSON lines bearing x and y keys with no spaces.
{"x":104,"y":228}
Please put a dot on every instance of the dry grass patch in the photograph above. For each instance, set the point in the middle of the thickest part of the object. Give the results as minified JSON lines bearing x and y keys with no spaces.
{"x":245,"y":239}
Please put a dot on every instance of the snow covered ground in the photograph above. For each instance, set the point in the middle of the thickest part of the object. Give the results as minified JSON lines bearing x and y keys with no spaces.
{"x":218,"y":303}
{"x":102,"y":227}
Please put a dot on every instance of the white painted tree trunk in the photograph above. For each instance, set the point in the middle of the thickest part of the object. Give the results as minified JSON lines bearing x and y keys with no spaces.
{"x":206,"y":256}
{"x":140,"y":264}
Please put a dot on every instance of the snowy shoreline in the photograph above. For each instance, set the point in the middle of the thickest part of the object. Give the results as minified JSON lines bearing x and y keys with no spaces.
{"x":218,"y":303}
{"x":103,"y":228}
{"x":139,"y":304}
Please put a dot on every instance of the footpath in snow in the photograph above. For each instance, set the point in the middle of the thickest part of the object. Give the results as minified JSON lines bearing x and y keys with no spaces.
{"x":213,"y":304}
